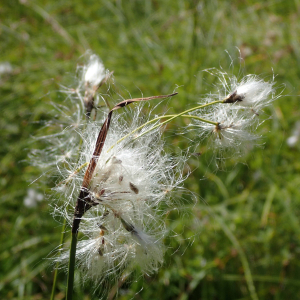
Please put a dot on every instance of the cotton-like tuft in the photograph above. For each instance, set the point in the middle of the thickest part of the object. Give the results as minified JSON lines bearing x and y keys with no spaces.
{"x":230,"y":135}
{"x":94,"y":72}
{"x":254,"y":92}
{"x":133,"y":183}
{"x":234,"y":115}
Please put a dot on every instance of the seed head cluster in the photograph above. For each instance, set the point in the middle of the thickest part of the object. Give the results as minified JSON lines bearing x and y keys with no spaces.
{"x":237,"y":115}
{"x":133,"y":183}
{"x":131,"y":187}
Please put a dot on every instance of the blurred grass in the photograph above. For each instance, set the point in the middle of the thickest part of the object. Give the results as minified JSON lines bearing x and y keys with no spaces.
{"x":153,"y":46}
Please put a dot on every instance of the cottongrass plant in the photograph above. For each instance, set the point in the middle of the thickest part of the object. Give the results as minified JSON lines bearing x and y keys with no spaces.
{"x":117,"y":181}
{"x":119,"y":225}
{"x":128,"y":186}
{"x":132,"y":186}
{"x":119,"y":195}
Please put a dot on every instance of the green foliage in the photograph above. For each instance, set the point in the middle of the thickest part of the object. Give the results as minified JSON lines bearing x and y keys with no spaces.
{"x":245,"y":226}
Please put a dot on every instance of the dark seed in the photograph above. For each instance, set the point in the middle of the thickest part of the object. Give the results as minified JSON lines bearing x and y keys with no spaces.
{"x":129,"y":227}
{"x":133,"y":188}
{"x":234,"y":97}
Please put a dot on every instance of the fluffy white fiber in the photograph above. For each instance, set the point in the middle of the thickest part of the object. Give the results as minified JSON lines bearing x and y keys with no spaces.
{"x":236,"y":120}
{"x":132,"y":185}
{"x":94,"y":72}
{"x":135,"y":182}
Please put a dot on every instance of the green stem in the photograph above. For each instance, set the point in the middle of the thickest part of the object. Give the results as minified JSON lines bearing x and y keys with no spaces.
{"x":172,"y":117}
{"x":62,"y":236}
{"x":73,"y":241}
{"x":200,"y":119}
{"x":183,"y":113}
{"x":71,"y":267}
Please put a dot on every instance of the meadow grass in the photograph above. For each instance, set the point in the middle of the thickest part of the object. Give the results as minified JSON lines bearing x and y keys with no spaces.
{"x":245,"y":226}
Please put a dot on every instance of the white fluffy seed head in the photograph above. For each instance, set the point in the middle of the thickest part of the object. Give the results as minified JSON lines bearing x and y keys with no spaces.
{"x":255,"y":93}
{"x":238,"y":118}
{"x":94,"y":72}
{"x":131,"y":187}
{"x":108,"y":249}
{"x":61,"y":135}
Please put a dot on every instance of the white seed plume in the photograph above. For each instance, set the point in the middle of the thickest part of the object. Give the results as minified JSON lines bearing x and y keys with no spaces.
{"x":238,"y":117}
{"x":62,"y":139}
{"x":94,"y":72}
{"x":232,"y":134}
{"x":132,"y":180}
{"x":63,"y":142}
{"x":253,"y":92}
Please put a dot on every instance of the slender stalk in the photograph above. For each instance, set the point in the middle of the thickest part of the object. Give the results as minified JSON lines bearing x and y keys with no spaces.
{"x":159,"y":118}
{"x":71,"y":267}
{"x":200,"y":119}
{"x":183,"y":113}
{"x":62,"y":236}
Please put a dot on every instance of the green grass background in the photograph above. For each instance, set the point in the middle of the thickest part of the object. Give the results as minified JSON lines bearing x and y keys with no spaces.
{"x":248,"y":226}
